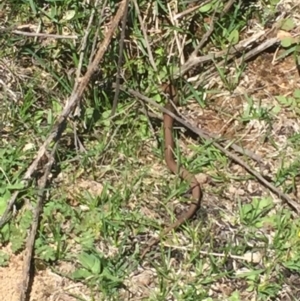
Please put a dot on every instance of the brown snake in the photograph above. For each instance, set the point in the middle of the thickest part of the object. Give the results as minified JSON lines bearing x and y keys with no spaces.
{"x":170,"y":90}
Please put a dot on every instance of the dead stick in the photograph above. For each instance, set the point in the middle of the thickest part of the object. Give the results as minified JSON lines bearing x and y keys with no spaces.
{"x":35,"y":223}
{"x":120,"y":60}
{"x":229,"y":154}
{"x":221,"y":140}
{"x":71,"y":104}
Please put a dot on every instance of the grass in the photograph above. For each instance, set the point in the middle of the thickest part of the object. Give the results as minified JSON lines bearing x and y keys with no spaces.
{"x":110,"y":190}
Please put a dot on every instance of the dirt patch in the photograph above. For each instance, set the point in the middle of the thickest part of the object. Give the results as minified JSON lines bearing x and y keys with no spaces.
{"x":46,"y":285}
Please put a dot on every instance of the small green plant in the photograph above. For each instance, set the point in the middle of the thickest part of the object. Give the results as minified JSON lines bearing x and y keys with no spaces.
{"x":96,"y":270}
{"x":254,"y":111}
{"x":253,"y":213}
{"x":102,"y":233}
{"x":290,"y":102}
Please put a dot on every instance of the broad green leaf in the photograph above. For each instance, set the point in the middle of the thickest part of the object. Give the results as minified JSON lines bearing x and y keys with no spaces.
{"x":287,"y":42}
{"x":288,"y":25}
{"x":90,"y":262}
{"x":234,"y":37}
{"x":281,"y":99}
{"x":205,"y":8}
{"x":297,"y":93}
{"x":69,"y":15}
{"x":276,"y":109}
{"x":81,"y":274}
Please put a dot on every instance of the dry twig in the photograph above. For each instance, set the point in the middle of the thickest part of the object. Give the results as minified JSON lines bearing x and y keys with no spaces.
{"x":224,"y":142}
{"x":35,"y":223}
{"x":83,"y":44}
{"x":120,"y":60}
{"x":43,"y":35}
{"x":69,"y":107}
{"x":229,"y":154}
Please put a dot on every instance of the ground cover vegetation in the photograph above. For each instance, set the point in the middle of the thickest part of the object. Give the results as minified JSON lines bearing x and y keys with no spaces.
{"x":87,"y":190}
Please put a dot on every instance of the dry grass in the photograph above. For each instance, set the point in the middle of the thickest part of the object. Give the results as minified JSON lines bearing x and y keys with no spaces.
{"x":110,"y":191}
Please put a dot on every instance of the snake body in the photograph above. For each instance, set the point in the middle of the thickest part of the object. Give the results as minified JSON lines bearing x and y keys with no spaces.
{"x":172,"y":165}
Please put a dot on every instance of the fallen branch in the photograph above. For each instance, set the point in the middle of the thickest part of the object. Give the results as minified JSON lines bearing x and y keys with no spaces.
{"x":35,"y":223}
{"x":120,"y":60}
{"x":194,"y":60}
{"x":229,"y":154}
{"x":221,"y":140}
{"x":210,"y":73}
{"x":70,"y":106}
